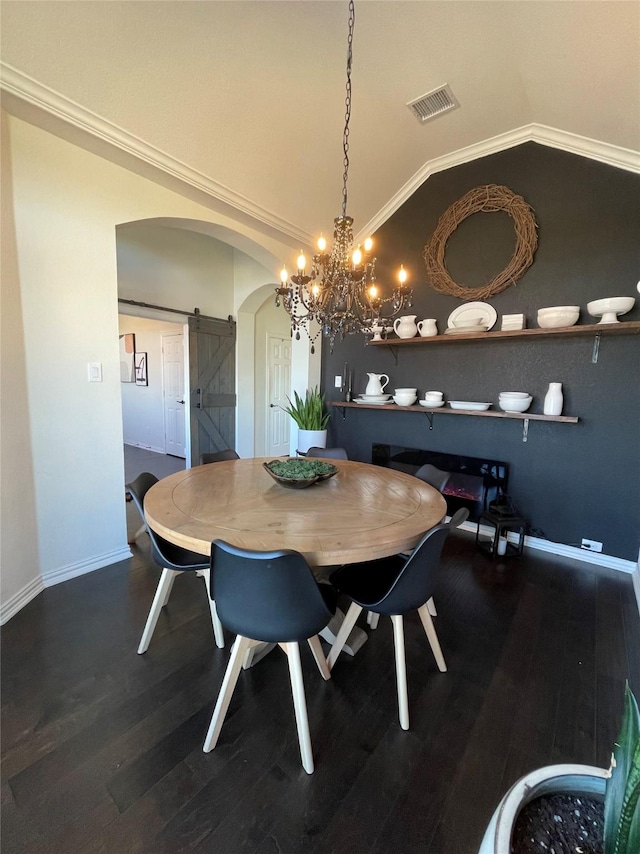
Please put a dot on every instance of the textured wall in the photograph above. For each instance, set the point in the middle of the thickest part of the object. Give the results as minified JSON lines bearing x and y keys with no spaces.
{"x":569,"y":481}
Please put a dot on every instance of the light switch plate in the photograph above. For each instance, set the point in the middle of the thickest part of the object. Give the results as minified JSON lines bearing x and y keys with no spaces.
{"x":95,"y":372}
{"x":337,"y":381}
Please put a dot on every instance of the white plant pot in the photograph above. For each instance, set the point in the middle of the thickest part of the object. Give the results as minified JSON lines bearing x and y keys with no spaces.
{"x":552,"y":779}
{"x":311,"y":439}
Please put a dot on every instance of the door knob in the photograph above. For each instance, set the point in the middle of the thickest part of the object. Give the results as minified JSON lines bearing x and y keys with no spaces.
{"x":179,"y":401}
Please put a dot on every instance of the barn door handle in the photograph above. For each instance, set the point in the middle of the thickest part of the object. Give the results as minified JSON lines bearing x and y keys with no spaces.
{"x":198,"y":398}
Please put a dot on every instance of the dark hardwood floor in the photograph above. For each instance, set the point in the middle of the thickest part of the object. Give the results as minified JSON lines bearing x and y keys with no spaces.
{"x":102,"y":748}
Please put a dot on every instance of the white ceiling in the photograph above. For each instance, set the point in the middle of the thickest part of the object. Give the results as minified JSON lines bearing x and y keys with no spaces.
{"x":251,"y":94}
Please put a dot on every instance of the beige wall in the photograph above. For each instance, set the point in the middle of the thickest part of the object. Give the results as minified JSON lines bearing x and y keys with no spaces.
{"x":143,"y":406}
{"x":19,"y":558}
{"x":60,"y":304}
{"x":176,"y":268}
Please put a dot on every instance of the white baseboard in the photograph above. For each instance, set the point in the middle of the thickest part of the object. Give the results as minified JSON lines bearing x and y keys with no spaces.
{"x":73,"y":570}
{"x":562,"y":550}
{"x":16,"y":602}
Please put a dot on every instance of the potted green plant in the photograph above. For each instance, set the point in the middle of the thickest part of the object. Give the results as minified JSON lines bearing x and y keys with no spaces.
{"x":311,"y":416}
{"x":619,"y":786}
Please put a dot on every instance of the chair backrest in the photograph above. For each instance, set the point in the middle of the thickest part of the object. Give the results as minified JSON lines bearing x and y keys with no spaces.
{"x":267,"y":596}
{"x":328,"y":453}
{"x":164,"y":553}
{"x":416,"y":581}
{"x":433,"y":476}
{"x":218,"y":456}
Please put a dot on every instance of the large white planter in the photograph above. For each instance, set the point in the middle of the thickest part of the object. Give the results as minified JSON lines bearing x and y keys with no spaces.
{"x":311,"y":439}
{"x":552,"y":779}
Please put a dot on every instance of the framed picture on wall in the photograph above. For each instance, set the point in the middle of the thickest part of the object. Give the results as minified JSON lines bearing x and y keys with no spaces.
{"x":127,"y":352}
{"x":141,"y":369}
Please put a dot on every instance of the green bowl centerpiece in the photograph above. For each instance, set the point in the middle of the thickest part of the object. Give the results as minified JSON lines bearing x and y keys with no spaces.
{"x":296,"y":473}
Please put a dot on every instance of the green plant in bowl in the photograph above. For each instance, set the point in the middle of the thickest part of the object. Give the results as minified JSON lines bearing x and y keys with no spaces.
{"x":296,"y":473}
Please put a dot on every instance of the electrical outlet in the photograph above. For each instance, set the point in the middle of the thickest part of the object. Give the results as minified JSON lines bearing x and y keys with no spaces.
{"x":337,"y":381}
{"x":591,"y":545}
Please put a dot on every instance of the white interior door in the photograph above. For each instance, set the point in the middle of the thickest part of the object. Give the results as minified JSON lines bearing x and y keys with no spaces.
{"x":278,"y":387}
{"x":173,"y":394}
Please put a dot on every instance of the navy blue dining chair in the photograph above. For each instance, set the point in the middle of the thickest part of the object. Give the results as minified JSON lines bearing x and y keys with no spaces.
{"x":172,"y":560}
{"x":269,"y":597}
{"x":393,"y":587}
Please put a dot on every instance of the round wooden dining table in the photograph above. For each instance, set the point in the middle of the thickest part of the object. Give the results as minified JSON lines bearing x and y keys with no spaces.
{"x":361,"y":513}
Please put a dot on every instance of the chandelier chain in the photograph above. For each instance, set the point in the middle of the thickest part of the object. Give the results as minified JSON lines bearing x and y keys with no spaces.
{"x":339,"y":290}
{"x":347,"y":103}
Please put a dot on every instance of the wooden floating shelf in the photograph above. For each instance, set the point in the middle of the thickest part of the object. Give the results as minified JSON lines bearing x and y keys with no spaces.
{"x":627,"y":328}
{"x":443,"y":410}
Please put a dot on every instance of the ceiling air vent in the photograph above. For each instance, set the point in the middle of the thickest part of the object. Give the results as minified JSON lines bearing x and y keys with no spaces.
{"x":433,"y":104}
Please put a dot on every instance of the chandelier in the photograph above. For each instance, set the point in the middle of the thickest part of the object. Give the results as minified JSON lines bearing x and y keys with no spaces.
{"x":339,"y":290}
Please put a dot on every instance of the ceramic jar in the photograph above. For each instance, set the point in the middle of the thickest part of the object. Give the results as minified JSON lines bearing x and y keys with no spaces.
{"x":427,"y":328}
{"x":553,"y":400}
{"x":405,"y":327}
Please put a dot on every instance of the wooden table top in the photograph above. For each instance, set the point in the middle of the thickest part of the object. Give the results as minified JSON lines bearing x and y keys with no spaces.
{"x":362,"y":513}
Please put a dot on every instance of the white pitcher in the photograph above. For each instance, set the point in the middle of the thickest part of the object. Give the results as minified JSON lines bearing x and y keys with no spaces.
{"x":374,"y":386}
{"x":427,"y":327}
{"x":405,"y":327}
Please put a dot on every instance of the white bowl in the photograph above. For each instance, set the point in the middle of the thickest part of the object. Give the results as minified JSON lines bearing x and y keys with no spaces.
{"x":517,"y":394}
{"x":515,"y":404}
{"x":551,"y":318}
{"x":431,"y":404}
{"x":405,"y":400}
{"x":471,"y":405}
{"x":549,"y":308}
{"x":406,"y":391}
{"x":610,"y":308}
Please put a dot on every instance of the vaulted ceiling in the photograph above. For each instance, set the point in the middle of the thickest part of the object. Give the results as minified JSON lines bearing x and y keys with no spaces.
{"x":250,"y":95}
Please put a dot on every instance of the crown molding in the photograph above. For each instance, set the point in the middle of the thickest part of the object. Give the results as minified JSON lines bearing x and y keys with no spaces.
{"x":603,"y":152}
{"x":30,"y":91}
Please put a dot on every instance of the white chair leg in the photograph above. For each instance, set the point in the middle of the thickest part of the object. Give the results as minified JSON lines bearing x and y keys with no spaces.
{"x":431,"y":605}
{"x":169,"y":587}
{"x":217,"y":625}
{"x":159,"y":600}
{"x":238,"y":650}
{"x":318,"y":654}
{"x":345,"y":629}
{"x":137,"y":534}
{"x":300,"y":705}
{"x":430,"y":631}
{"x":401,"y":670}
{"x":372,"y":619}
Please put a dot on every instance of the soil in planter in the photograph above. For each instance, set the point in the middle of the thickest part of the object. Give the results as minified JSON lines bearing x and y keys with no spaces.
{"x":560,"y":824}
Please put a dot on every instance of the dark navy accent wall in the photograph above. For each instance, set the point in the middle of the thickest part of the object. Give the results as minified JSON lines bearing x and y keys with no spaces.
{"x":568,"y":481}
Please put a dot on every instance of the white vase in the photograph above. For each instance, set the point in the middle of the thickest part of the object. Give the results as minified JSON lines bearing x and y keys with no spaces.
{"x":311,"y":439}
{"x":553,"y":400}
